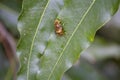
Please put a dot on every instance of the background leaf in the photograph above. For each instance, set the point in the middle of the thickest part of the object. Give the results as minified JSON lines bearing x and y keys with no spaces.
{"x":13,"y":4}
{"x":8,"y":29}
{"x":45,"y":55}
{"x":83,"y":70}
{"x":9,"y":15}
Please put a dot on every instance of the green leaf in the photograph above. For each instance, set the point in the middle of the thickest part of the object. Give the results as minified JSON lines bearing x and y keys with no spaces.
{"x":84,"y":70}
{"x":45,"y":55}
{"x":12,"y":4}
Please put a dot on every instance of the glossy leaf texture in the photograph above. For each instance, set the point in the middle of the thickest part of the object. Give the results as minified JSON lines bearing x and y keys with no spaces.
{"x":45,"y":55}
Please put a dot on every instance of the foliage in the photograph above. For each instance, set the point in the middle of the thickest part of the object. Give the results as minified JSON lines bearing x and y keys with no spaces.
{"x":43,"y":54}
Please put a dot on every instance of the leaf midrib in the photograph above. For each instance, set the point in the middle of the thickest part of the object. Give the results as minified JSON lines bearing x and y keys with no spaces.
{"x":66,"y":45}
{"x":31,"y":48}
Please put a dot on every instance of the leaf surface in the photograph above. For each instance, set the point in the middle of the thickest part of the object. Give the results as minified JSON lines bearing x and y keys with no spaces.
{"x":45,"y":55}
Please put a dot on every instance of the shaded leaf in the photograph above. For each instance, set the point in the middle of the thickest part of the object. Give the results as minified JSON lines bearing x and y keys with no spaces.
{"x":13,"y":4}
{"x":45,"y":55}
{"x":84,"y":70}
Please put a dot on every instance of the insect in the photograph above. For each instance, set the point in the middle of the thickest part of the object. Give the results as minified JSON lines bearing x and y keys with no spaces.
{"x":58,"y":27}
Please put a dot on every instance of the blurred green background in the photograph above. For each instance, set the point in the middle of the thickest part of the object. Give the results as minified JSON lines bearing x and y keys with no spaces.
{"x":101,"y":61}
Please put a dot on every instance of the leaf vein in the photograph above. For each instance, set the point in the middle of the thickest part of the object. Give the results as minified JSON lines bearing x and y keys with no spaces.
{"x":31,"y":48}
{"x":71,"y":38}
